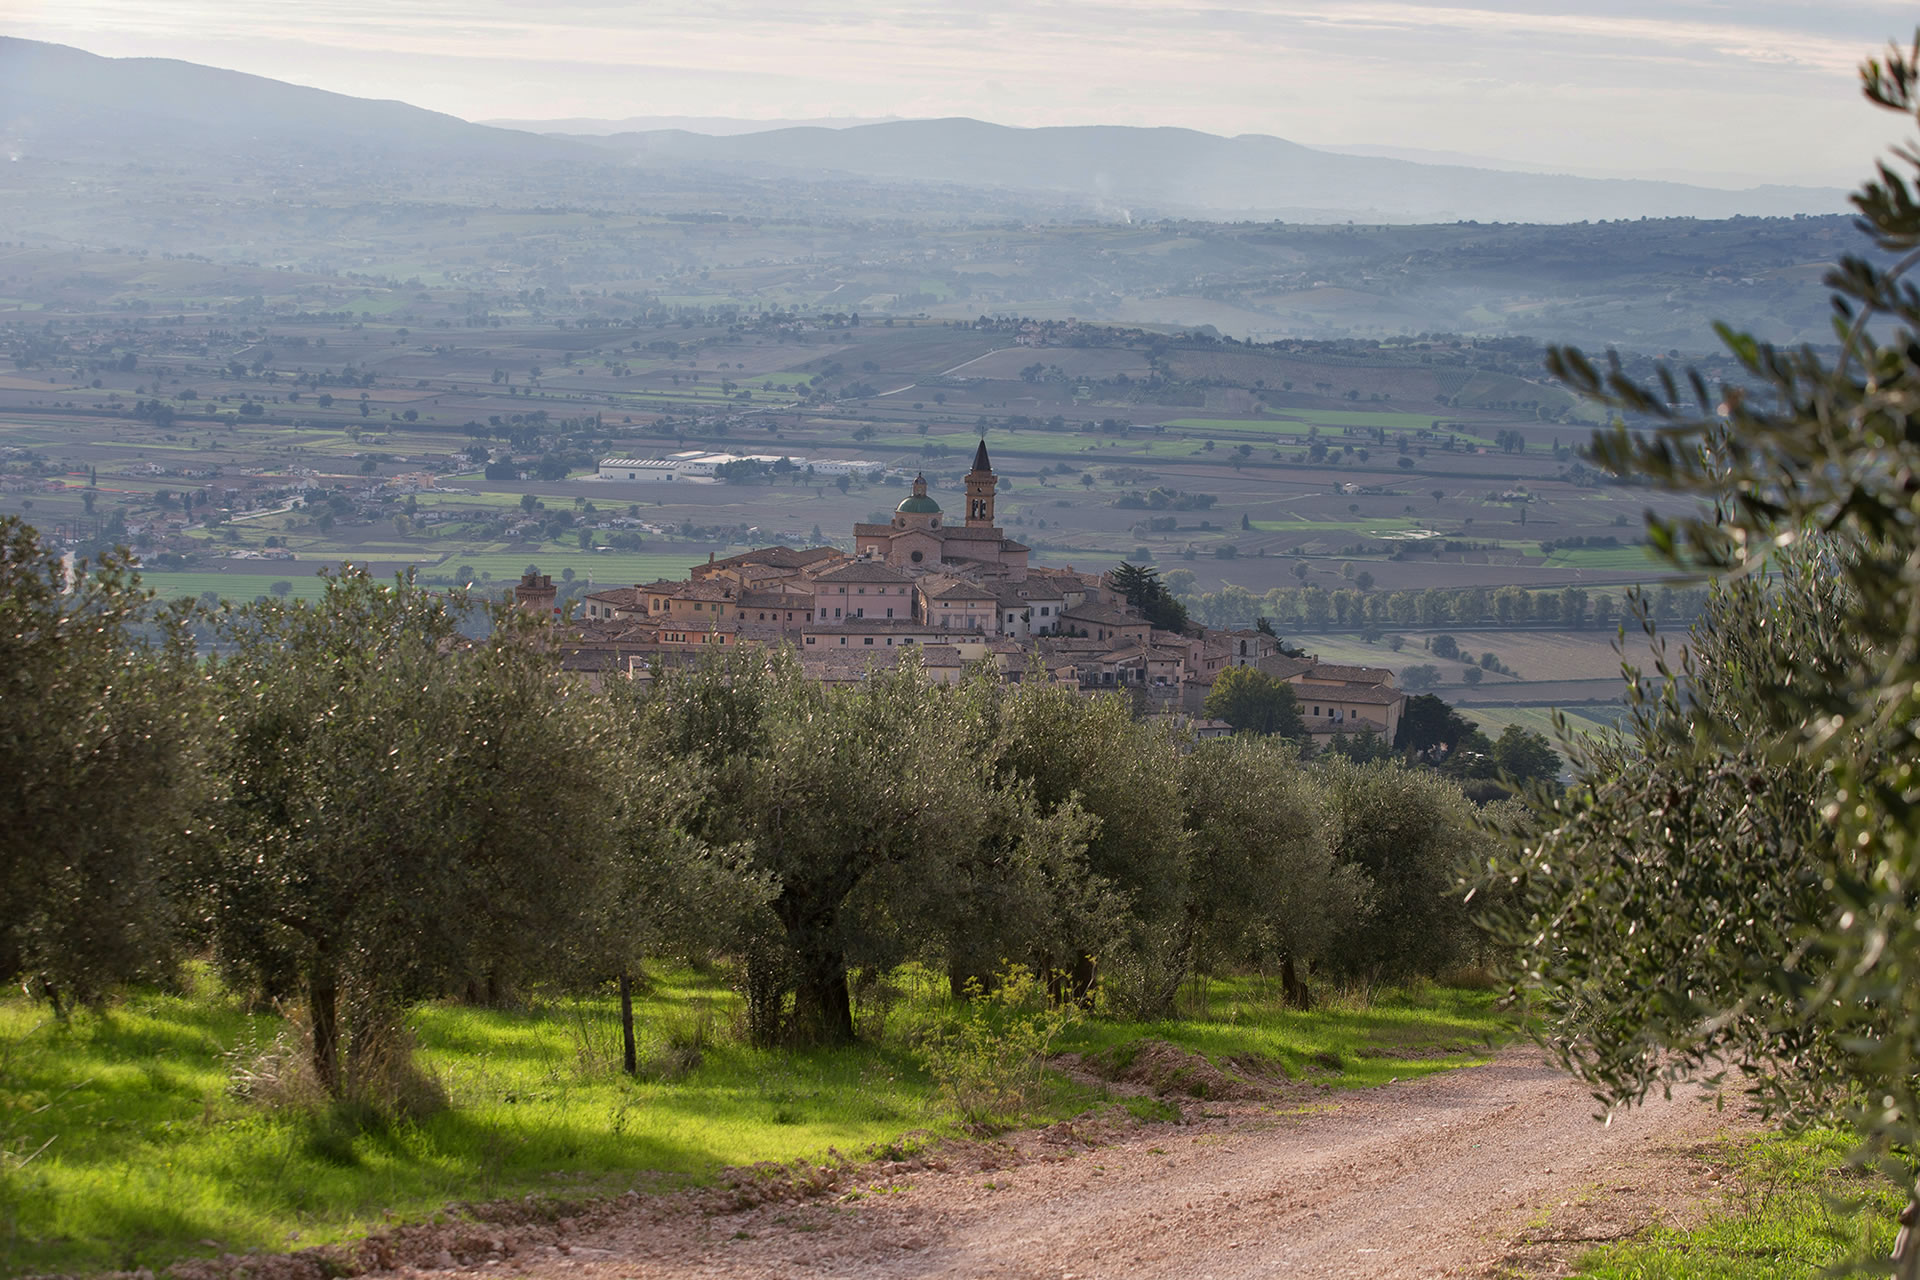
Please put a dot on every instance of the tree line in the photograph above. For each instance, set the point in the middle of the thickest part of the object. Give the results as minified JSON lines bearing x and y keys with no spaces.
{"x":385,"y":795}
{"x":1356,"y":607}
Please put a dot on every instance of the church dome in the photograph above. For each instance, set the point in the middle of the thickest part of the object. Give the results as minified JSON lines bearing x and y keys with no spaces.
{"x":918,"y":503}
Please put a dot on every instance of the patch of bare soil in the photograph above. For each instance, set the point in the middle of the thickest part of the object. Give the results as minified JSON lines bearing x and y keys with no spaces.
{"x":1494,"y":1171}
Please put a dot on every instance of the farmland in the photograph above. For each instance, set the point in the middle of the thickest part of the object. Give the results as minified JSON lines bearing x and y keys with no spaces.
{"x":383,"y":429}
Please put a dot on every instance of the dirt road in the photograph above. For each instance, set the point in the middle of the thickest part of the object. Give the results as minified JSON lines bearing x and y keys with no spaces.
{"x":1494,"y":1170}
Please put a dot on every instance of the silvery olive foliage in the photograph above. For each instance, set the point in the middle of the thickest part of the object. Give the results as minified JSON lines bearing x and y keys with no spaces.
{"x":1738,"y":875}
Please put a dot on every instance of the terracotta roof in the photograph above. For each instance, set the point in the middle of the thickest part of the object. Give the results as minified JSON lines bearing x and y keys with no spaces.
{"x":1282,"y":667}
{"x":775,"y":557}
{"x":1102,"y":615}
{"x":958,"y":590}
{"x":1370,"y":694}
{"x":619,"y":597}
{"x":863,"y":571}
{"x":1352,"y":675}
{"x":882,"y":626}
{"x":775,"y":600}
{"x":941,"y":655}
{"x":706,"y":591}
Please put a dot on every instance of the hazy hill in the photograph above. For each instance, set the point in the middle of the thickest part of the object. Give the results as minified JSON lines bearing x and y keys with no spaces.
{"x":718,"y":125}
{"x":67,"y":106}
{"x":1159,"y":171}
{"x":54,"y":99}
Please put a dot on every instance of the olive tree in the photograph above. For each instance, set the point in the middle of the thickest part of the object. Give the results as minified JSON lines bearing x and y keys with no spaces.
{"x":1129,"y":917}
{"x":834,"y":798}
{"x":403,"y":810}
{"x":99,"y":706}
{"x":1802,"y":448}
{"x":1266,"y":885}
{"x":1411,"y":833}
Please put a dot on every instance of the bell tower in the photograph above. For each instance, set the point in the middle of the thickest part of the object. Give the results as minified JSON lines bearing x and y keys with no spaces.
{"x":980,"y":486}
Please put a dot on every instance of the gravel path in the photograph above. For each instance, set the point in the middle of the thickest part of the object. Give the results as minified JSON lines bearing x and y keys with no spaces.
{"x":1493,"y":1170}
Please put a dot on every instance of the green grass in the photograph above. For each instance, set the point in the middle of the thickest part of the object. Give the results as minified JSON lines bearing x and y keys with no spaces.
{"x":123,"y":1146}
{"x":1799,"y":1212}
{"x":1399,"y":1035}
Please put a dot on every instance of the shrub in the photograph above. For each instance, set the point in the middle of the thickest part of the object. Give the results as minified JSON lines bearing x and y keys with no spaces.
{"x":989,"y":1063}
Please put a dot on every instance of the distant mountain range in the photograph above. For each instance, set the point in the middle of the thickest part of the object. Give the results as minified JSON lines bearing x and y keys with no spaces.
{"x":60,"y":101}
{"x":718,"y":125}
{"x":1123,"y":171}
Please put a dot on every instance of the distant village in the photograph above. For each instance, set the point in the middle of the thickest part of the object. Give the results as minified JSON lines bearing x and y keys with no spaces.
{"x":954,"y":593}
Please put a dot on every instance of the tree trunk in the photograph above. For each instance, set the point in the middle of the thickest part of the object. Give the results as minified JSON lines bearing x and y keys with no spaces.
{"x":323,"y":1007}
{"x":959,"y":975}
{"x":822,"y":1001}
{"x":1906,"y":1245}
{"x":1082,"y":979}
{"x":1293,"y":992}
{"x":629,"y":1052}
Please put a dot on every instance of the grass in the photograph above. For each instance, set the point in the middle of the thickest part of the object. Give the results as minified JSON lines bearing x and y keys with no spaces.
{"x":1800,"y":1212}
{"x":125,"y":1148}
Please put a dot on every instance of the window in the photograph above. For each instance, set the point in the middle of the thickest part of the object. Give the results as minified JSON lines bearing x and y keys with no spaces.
{"x":889,"y":613}
{"x":915,"y":557}
{"x":809,"y":639}
{"x":869,"y":640}
{"x":1044,"y":611}
{"x":843,"y":640}
{"x":860,"y":591}
{"x":836,"y":613}
{"x":859,"y":613}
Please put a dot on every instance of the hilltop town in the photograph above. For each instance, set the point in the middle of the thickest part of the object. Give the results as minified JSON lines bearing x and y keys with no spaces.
{"x":954,"y":594}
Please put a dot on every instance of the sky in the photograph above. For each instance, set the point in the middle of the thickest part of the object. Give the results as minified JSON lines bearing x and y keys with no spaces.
{"x":1718,"y":91}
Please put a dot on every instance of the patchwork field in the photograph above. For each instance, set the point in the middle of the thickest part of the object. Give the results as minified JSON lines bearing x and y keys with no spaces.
{"x":1578,"y":670}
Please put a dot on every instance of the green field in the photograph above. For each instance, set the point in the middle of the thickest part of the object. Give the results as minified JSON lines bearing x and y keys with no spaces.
{"x":1378,"y":527}
{"x":1620,"y":558}
{"x":1494,"y":720}
{"x":141,"y":1153}
{"x":605,"y":569}
{"x":609,"y":568}
{"x":238,"y":587}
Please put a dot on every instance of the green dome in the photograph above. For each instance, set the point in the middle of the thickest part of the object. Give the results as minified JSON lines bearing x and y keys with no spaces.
{"x":919,"y":505}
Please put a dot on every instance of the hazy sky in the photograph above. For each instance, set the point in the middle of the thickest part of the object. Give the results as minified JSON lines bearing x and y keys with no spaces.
{"x":1757,"y":89}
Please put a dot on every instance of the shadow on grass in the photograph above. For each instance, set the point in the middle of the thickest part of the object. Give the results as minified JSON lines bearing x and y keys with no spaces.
{"x":144,"y":1157}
